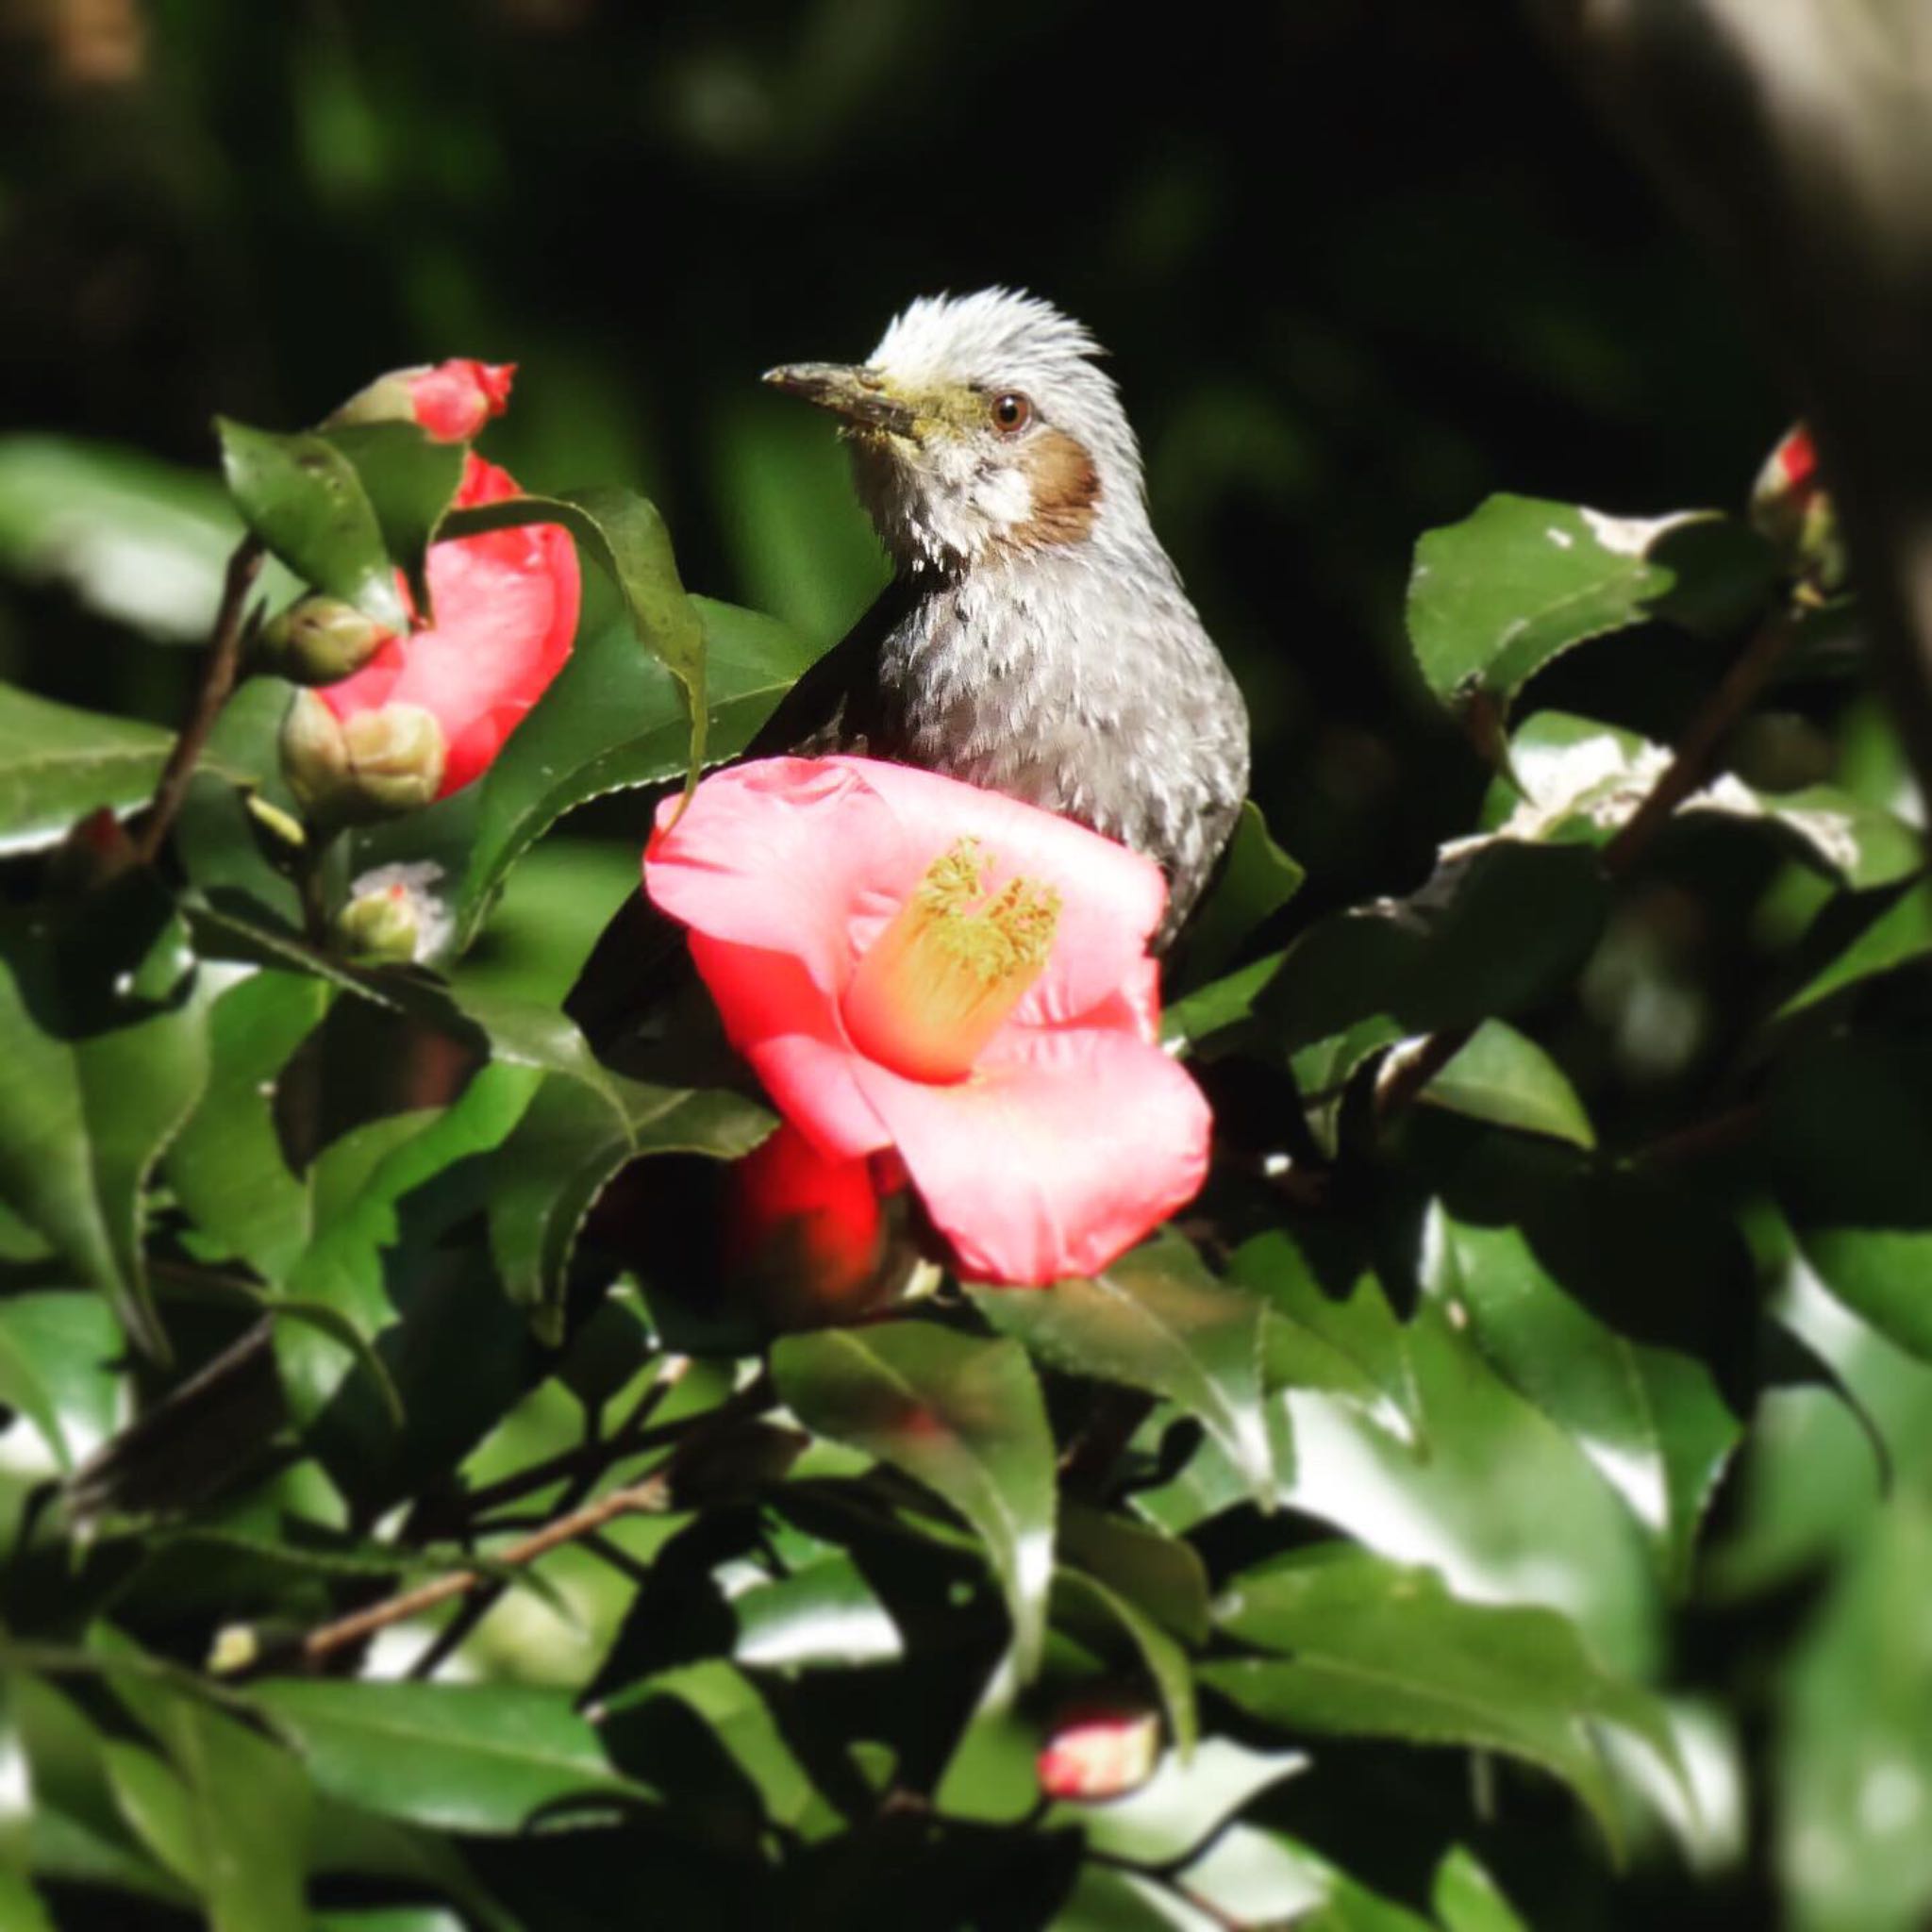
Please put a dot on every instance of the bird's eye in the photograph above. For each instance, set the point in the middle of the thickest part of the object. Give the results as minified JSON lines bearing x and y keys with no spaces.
{"x":1012,"y":412}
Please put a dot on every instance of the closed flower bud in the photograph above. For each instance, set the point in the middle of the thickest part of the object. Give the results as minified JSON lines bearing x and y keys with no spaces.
{"x":393,"y":914}
{"x":450,"y":401}
{"x":371,"y":765}
{"x":319,"y":639}
{"x":1094,"y":1754}
{"x":1791,"y":509}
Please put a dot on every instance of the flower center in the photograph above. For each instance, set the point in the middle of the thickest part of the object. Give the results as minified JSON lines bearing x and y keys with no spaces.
{"x":936,"y":986}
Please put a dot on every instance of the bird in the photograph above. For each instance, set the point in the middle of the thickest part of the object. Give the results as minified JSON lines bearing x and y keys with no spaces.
{"x":1035,"y":638}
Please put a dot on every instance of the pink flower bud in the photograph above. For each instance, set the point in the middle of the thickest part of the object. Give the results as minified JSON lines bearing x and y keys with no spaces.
{"x":371,"y":765}
{"x":1792,"y":509}
{"x":394,"y":913}
{"x":450,"y":401}
{"x":1099,"y":1754}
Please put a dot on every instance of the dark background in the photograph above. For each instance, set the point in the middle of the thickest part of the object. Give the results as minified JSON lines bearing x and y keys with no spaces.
{"x":1359,"y":263}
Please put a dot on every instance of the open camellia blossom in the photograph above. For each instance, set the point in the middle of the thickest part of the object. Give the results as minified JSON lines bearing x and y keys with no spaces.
{"x":505,"y":605}
{"x":912,"y":963}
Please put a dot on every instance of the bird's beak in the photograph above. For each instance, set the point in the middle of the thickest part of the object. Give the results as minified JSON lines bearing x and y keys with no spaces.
{"x":859,"y":394}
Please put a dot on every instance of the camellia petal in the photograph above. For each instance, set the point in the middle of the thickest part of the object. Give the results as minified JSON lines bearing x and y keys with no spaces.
{"x":912,"y":963}
{"x":506,"y":606}
{"x":1062,"y":1150}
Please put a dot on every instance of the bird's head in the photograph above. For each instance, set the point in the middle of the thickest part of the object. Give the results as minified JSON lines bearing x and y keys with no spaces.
{"x":979,"y":427}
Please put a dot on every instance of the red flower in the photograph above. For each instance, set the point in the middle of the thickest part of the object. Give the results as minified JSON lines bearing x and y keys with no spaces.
{"x":454,"y":400}
{"x":912,"y":962}
{"x":506,"y":608}
{"x":806,"y":1230}
{"x":1099,"y":1754}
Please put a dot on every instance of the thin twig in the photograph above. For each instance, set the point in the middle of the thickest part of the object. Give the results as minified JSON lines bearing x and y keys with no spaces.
{"x":1408,"y":1070}
{"x":217,"y":680}
{"x":647,"y":1496}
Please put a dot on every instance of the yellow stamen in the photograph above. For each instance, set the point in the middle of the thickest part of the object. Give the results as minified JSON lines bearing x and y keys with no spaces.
{"x":942,"y":979}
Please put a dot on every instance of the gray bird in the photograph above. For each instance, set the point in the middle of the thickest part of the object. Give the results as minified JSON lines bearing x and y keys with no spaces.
{"x":1035,"y":639}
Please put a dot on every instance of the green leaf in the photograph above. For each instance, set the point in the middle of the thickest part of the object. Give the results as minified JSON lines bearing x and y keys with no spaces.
{"x":1082,"y":1600}
{"x":58,"y":1368}
{"x":1493,"y":599}
{"x":302,"y":497}
{"x":1257,"y":879}
{"x":1218,"y":1006}
{"x":409,"y":480}
{"x":1652,"y":1420}
{"x":733,"y":1710}
{"x":227,"y":1167}
{"x":59,"y":763}
{"x":21,"y":1908}
{"x":249,"y":1812}
{"x":104,"y":1036}
{"x":1161,"y":1574}
{"x":628,"y":538}
{"x":1263,"y":1876}
{"x":1503,"y":1077}
{"x":614,"y":721}
{"x":1467,"y":1899}
{"x":473,"y":1758}
{"x":1850,"y":1139}
{"x":1367,"y":1648}
{"x":144,"y":543}
{"x":1574,"y":780}
{"x":575,"y":1136}
{"x":1886,"y":934}
{"x":1156,"y":1320}
{"x":1351,"y":1347}
{"x":960,"y":1415}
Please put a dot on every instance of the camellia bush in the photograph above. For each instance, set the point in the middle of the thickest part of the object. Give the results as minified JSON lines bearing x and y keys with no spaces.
{"x":938,"y":1419}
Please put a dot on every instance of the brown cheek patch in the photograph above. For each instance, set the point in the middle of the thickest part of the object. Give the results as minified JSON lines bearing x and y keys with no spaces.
{"x":1066,"y":491}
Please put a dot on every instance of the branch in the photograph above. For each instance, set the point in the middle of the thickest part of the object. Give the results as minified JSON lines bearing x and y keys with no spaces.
{"x":1410,"y":1068}
{"x":217,"y":680}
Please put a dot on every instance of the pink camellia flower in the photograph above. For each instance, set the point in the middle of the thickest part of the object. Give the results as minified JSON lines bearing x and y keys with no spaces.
{"x":914,"y":963}
{"x":506,"y":609}
{"x":1099,"y":1754}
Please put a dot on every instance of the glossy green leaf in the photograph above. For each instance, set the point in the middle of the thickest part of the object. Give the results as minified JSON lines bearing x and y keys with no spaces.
{"x":1156,"y":1320}
{"x":1350,"y":1346}
{"x":1493,"y":599}
{"x":473,"y":1757}
{"x":58,"y":763}
{"x":627,"y":537}
{"x":1257,"y":879}
{"x":302,"y":497}
{"x":1505,"y":1077}
{"x":104,"y":1036}
{"x":1576,"y":781}
{"x":1367,"y":1648}
{"x":141,"y":541}
{"x":1251,"y":1871}
{"x":960,"y":1415}
{"x":1850,"y":1136}
{"x":1161,"y":1574}
{"x":226,"y":1166}
{"x":58,"y":1354}
{"x":411,"y":480}
{"x":614,"y":721}
{"x":575,"y":1136}
{"x":1872,"y":937}
{"x":1652,"y":1420}
{"x":1467,"y":1899}
{"x":21,"y":1908}
{"x":1085,"y":1603}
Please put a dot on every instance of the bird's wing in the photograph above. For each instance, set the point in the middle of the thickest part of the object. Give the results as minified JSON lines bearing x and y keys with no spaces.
{"x":832,"y":707}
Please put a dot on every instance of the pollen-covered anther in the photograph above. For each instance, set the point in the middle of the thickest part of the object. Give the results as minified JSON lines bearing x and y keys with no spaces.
{"x":945,"y":975}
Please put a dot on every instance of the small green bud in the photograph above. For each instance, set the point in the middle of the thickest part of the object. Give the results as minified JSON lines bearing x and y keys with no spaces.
{"x":371,"y":765}
{"x":381,"y":925}
{"x":388,"y":399}
{"x":321,"y":639}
